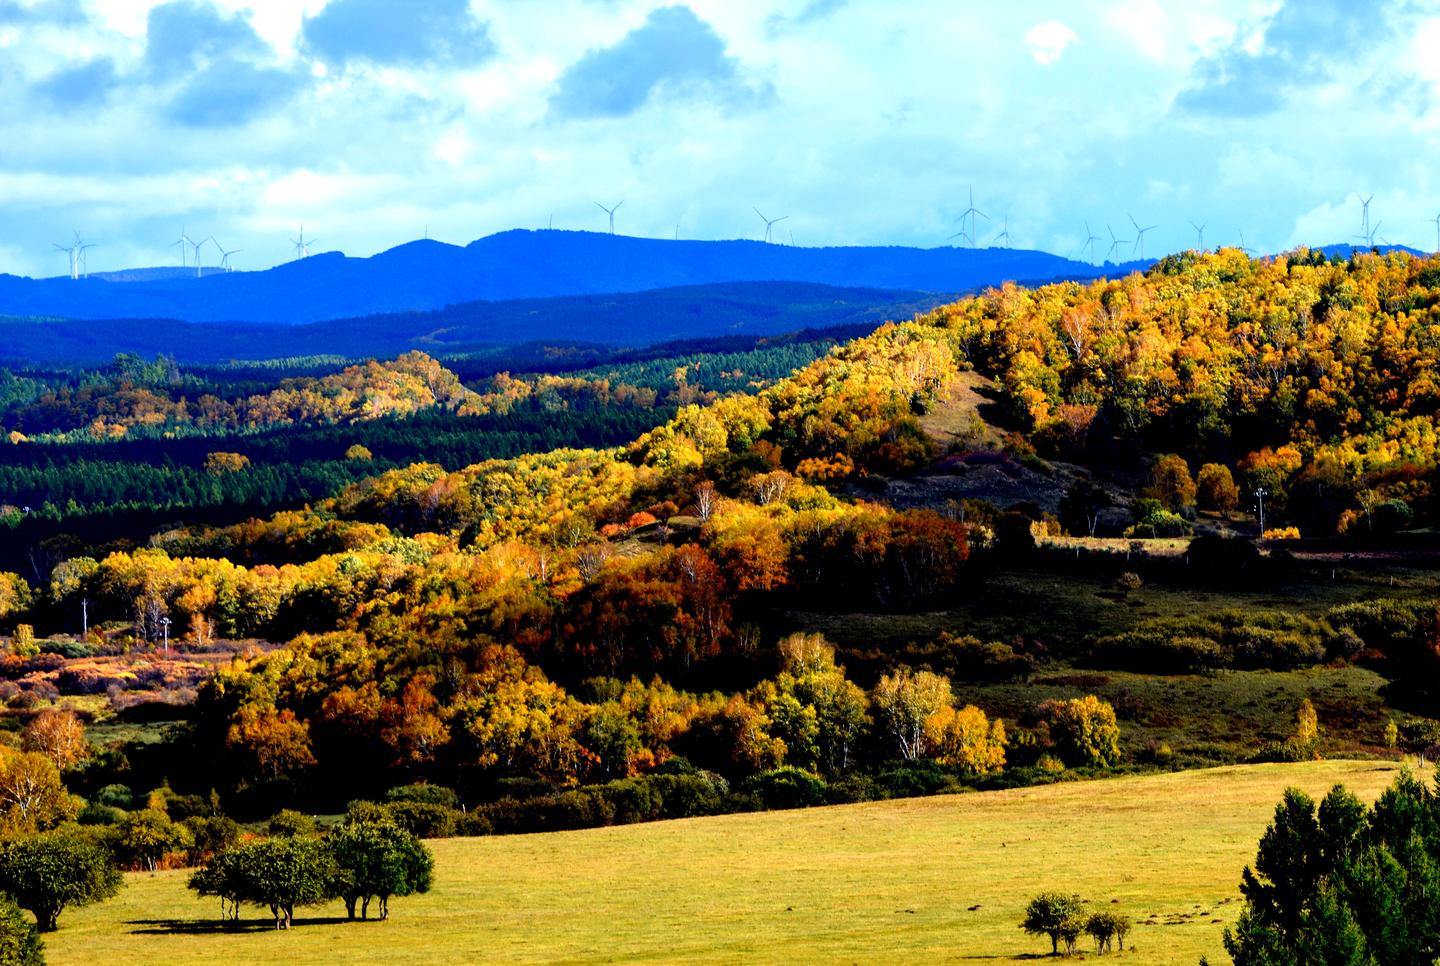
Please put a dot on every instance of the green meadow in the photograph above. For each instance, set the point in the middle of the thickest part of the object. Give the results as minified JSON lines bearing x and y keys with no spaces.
{"x":940,"y":879}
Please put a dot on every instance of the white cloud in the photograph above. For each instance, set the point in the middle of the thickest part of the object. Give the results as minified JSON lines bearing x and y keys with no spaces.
{"x":881,"y":117}
{"x":1144,"y":23}
{"x":1047,"y":41}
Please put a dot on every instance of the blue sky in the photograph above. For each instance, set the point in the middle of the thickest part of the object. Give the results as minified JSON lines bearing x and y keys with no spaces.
{"x":864,"y":121}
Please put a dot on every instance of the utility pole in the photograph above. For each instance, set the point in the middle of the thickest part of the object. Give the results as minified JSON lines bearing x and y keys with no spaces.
{"x":165,"y":629}
{"x":85,"y":617}
{"x":1260,"y":499}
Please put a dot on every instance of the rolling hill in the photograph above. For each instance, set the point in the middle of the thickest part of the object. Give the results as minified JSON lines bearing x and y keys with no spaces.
{"x":427,"y":275}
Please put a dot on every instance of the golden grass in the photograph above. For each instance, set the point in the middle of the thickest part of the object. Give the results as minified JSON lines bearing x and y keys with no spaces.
{"x":918,"y":880}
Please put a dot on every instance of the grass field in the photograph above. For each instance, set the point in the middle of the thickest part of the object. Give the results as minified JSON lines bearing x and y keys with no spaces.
{"x":939,"y":879}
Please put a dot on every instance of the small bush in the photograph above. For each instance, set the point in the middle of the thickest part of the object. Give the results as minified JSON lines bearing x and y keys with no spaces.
{"x":427,"y":794}
{"x":786,"y":787}
{"x":424,"y":820}
{"x":289,"y":823}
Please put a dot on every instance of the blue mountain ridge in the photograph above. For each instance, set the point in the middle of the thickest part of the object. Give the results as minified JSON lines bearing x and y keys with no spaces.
{"x":518,"y":264}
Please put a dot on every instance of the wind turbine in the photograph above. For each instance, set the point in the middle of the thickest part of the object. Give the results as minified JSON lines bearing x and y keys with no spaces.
{"x":302,"y":247}
{"x":769,"y":223}
{"x":1370,"y":241}
{"x":225,"y":265}
{"x":1005,"y":232}
{"x":611,"y":212}
{"x":1364,"y":215}
{"x":71,"y":252}
{"x":199,"y":271}
{"x":184,"y":239}
{"x":82,"y":265}
{"x":1436,"y":219}
{"x":1199,"y":235}
{"x":970,"y":213}
{"x":1115,"y":243}
{"x":1243,"y":249}
{"x":1090,"y":239}
{"x":1139,"y":235}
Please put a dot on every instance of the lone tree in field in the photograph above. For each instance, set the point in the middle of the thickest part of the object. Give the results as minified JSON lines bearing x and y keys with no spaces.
{"x":377,"y":860}
{"x":1056,"y":916}
{"x":50,"y":872}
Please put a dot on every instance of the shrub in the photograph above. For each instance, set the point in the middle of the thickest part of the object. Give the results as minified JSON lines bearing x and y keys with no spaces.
{"x":1222,"y":558}
{"x":1180,"y":645}
{"x":786,"y":787}
{"x":1084,"y":731}
{"x":427,"y":794}
{"x":425,"y":820}
{"x":288,"y":823}
{"x":1160,"y":524}
{"x":1128,"y":582}
{"x":19,"y":939}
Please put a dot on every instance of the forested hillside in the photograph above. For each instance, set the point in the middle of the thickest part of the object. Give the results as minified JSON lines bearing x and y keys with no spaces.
{"x":590,"y":615}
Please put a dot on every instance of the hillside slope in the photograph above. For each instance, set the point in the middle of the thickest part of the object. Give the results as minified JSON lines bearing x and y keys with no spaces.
{"x":513,"y":265}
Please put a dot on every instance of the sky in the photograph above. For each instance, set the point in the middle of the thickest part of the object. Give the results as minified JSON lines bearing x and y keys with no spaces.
{"x":375,"y":122}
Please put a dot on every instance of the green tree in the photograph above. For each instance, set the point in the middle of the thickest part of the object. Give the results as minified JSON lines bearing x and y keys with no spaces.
{"x":377,"y":860}
{"x":1054,"y":915}
{"x":1085,"y":731}
{"x":278,"y":873}
{"x":145,"y":837}
{"x":50,"y":872}
{"x":288,"y":823}
{"x":19,"y":939}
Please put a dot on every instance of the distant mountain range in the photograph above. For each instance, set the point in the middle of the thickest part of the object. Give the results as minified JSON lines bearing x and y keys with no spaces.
{"x":744,"y":309}
{"x":426,"y":275}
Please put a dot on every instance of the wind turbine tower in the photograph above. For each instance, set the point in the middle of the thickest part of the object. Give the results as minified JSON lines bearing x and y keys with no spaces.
{"x":184,"y":240}
{"x":1090,"y":239}
{"x":1139,"y":235}
{"x":769,"y":223}
{"x":225,"y":265}
{"x":1364,"y":215}
{"x":1199,"y":235}
{"x":1115,"y":243}
{"x":611,"y":212}
{"x":81,"y":268}
{"x":70,"y":251}
{"x":302,"y":245}
{"x":970,"y":213}
{"x":1005,"y":232}
{"x":1247,"y":251}
{"x":199,"y":271}
{"x":1436,"y":219}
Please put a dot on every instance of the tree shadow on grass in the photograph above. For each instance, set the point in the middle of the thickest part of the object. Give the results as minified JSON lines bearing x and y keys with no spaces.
{"x":221,"y":927}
